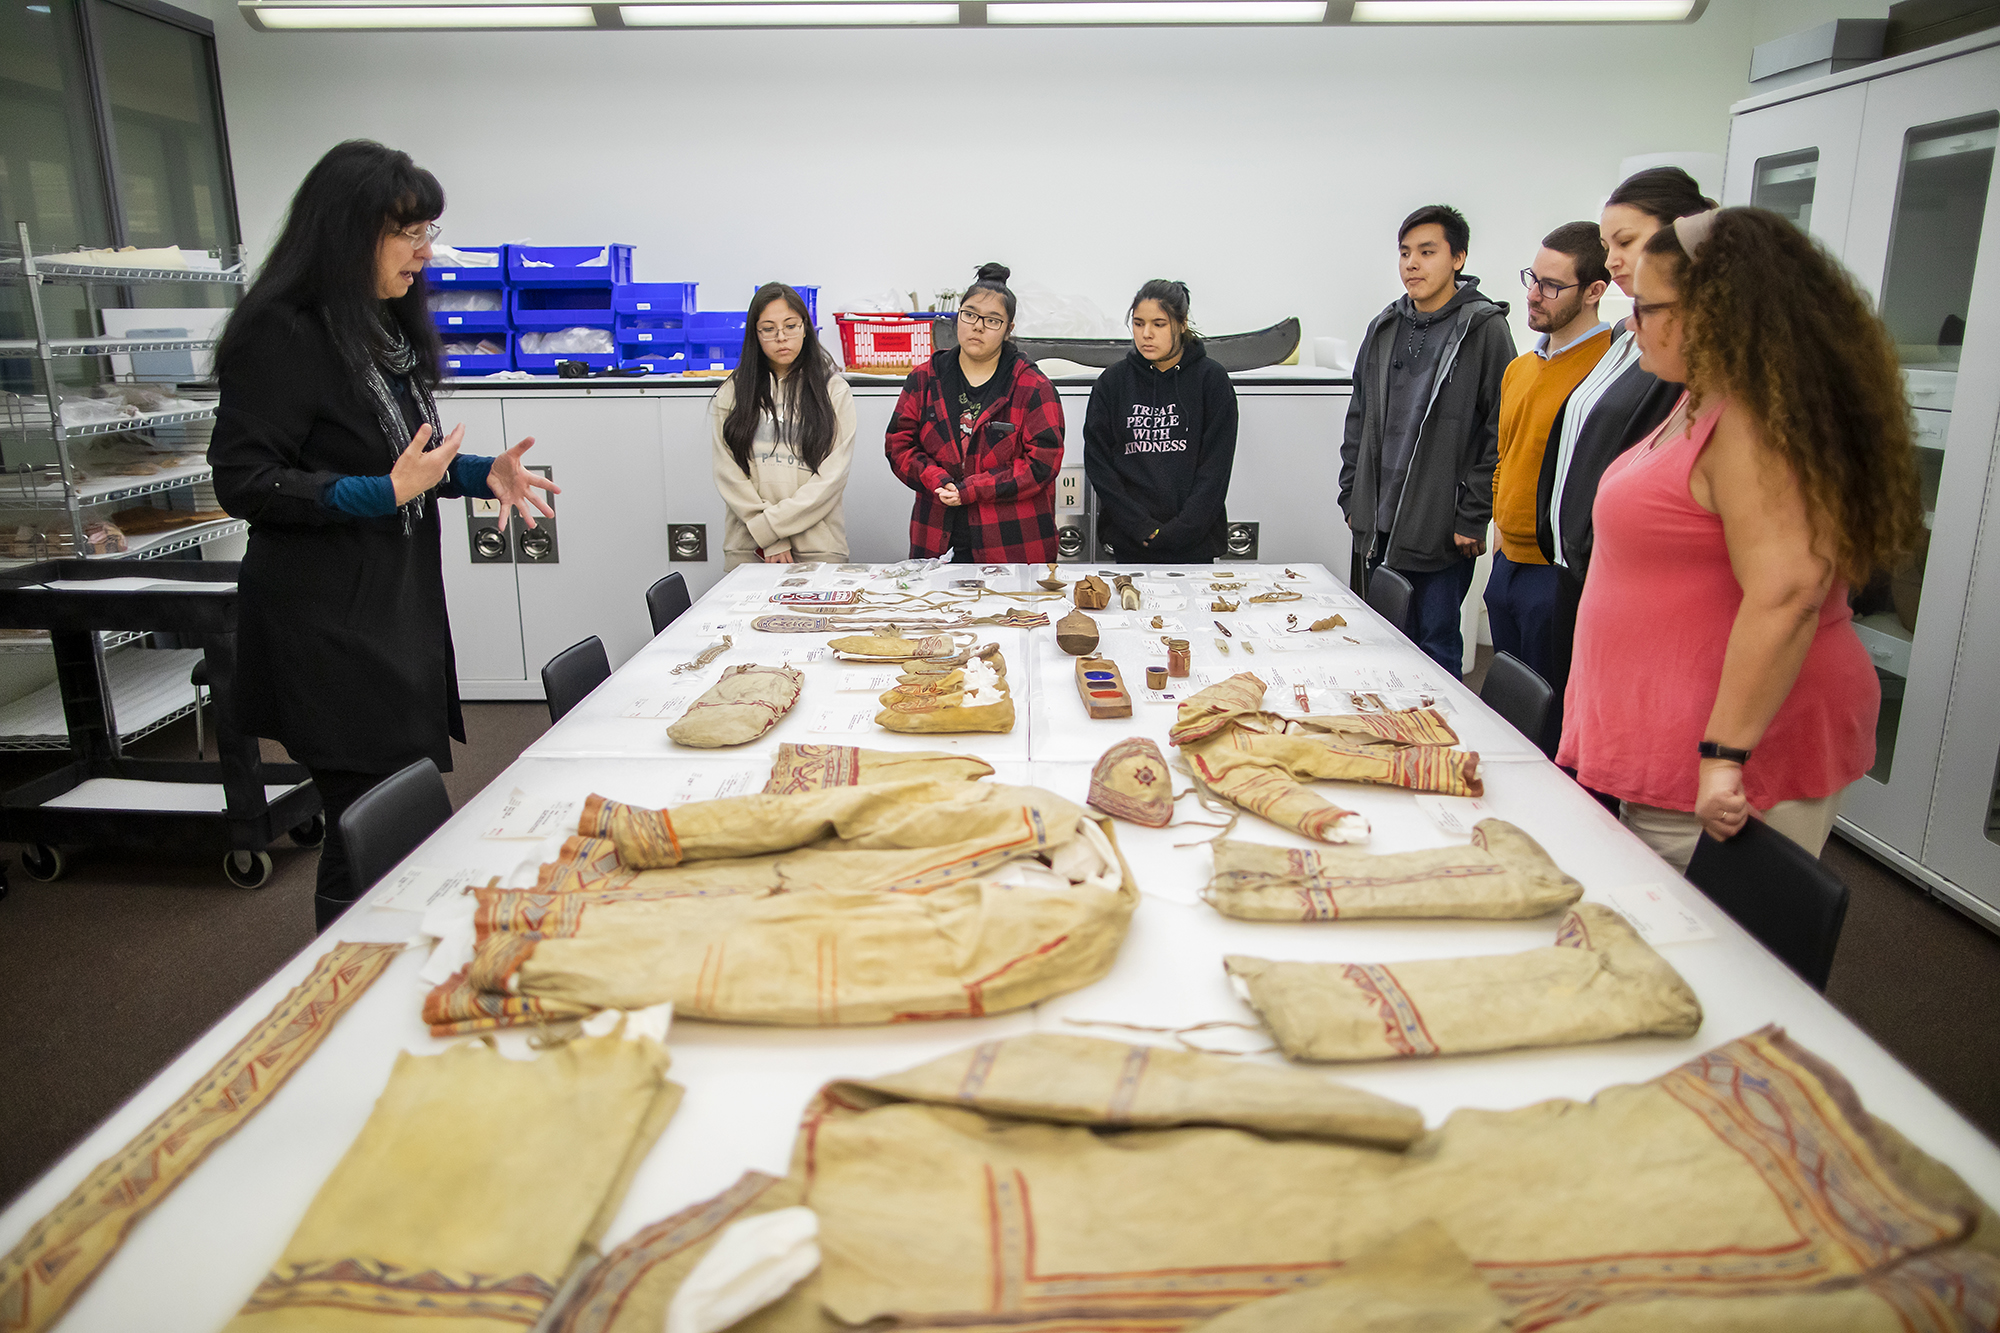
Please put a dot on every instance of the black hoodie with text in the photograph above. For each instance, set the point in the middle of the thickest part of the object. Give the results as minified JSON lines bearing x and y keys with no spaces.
{"x":1158,"y":446}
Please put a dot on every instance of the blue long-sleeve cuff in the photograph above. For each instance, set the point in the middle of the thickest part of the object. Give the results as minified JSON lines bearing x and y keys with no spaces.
{"x":375,"y":497}
{"x":468,"y":477}
{"x":363,"y":497}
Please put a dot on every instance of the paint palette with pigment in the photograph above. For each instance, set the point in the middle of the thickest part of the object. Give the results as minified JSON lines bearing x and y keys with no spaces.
{"x":1102,"y":688}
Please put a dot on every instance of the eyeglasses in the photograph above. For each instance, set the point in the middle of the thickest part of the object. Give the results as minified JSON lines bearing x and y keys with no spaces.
{"x":774,"y":333}
{"x":972,"y":318}
{"x":1551,"y":289}
{"x":420,"y":235}
{"x":1641,"y":309}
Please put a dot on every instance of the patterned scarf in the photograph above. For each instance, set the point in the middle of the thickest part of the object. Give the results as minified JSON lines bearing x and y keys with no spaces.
{"x":398,"y":358}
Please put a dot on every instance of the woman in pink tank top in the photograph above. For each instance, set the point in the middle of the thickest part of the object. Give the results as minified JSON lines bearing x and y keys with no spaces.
{"x":1715,"y":620}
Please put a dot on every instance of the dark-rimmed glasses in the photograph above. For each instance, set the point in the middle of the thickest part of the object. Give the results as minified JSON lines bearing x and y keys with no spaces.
{"x":1641,"y":309}
{"x":991,"y":323}
{"x":1551,"y":289}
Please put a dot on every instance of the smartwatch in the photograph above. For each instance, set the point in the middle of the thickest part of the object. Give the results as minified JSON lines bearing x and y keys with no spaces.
{"x":1711,"y":750}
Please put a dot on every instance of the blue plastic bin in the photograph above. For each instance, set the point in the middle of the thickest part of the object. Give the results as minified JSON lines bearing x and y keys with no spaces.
{"x":464,"y":366}
{"x":444,"y":279}
{"x":663,"y":351}
{"x":546,"y":364}
{"x":652,"y":305}
{"x":811,"y":295}
{"x":560,"y":308}
{"x":452,"y":323}
{"x":567,"y":266}
{"x":715,"y":338}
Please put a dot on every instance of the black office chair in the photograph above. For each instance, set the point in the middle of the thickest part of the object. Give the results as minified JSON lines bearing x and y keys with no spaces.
{"x":1517,"y":692}
{"x":666,"y":600}
{"x":1779,"y":892}
{"x":1389,"y":595}
{"x":388,"y":822}
{"x":573,"y":673}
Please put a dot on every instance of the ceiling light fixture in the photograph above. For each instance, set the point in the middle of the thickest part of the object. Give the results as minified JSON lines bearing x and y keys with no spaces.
{"x":1020,"y":13}
{"x":325,"y":17}
{"x":1525,"y":11}
{"x":807,"y":14}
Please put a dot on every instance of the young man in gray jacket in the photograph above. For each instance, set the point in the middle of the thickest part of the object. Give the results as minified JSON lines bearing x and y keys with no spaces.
{"x":1423,"y":430}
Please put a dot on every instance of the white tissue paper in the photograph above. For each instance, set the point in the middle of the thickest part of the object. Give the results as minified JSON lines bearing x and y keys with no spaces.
{"x":1044,"y":312}
{"x":752,"y":1264}
{"x":111,"y":402}
{"x":982,"y":684}
{"x":463,"y":300}
{"x":484,"y":347}
{"x":443,"y":256}
{"x":559,"y":341}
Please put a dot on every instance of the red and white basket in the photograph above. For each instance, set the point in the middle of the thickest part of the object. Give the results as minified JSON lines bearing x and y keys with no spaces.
{"x":885,"y":344}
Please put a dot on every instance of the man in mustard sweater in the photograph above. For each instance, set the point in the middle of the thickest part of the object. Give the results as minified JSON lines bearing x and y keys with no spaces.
{"x":1565,"y":284}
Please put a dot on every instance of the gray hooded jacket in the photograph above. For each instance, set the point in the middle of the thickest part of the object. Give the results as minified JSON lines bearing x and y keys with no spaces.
{"x":1448,"y":489}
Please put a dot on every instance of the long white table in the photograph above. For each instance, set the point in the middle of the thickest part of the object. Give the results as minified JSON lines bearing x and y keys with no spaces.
{"x":191,"y":1262}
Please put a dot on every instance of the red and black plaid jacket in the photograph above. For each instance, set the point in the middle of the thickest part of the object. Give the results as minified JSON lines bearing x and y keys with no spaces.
{"x":1006,"y":478}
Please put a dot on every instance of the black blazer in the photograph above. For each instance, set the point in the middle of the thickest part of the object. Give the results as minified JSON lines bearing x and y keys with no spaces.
{"x":1625,"y":413}
{"x":343,"y":645}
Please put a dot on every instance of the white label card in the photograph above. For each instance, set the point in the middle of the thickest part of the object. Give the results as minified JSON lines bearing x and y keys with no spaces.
{"x":419,"y":888}
{"x":526,"y":816}
{"x":867,"y":680}
{"x":712,"y":782}
{"x":1454,"y":814}
{"x":791,"y":656}
{"x":653,"y":707}
{"x":714,"y":626}
{"x":1657,"y":913}
{"x":843,"y":721}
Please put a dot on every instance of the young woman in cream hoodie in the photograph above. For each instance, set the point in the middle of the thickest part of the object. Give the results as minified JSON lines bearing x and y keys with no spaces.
{"x":783,"y":426}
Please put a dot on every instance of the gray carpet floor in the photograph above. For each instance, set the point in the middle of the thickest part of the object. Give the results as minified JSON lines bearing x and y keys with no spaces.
{"x":110,"y":972}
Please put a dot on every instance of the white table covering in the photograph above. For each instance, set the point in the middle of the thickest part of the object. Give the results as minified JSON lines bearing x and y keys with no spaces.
{"x":191,"y":1262}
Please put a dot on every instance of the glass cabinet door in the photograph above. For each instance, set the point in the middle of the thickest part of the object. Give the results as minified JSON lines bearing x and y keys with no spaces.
{"x":1784,"y":183}
{"x":1947,"y":169}
{"x":1798,"y":158}
{"x":1921,"y":237}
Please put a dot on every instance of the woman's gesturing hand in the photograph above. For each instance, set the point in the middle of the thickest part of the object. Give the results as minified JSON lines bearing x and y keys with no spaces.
{"x":514,"y":486}
{"x":416,"y":471}
{"x":1719,"y":801}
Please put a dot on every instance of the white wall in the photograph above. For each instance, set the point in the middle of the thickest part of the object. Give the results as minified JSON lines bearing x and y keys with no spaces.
{"x":1267,"y":169}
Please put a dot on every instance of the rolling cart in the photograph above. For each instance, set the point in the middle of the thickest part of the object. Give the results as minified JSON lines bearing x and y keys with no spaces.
{"x":235,"y":807}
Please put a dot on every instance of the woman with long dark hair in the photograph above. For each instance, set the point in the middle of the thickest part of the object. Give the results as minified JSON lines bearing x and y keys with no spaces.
{"x":1718,"y":675}
{"x":783,"y":425}
{"x":1618,"y":403}
{"x":978,"y":435}
{"x":327,"y":439}
{"x":1159,"y":438}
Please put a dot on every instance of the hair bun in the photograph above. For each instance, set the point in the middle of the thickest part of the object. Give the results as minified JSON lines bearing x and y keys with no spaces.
{"x":994,"y":273}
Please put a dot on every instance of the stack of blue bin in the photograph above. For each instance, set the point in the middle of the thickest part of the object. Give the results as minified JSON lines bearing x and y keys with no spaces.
{"x":811,"y":297}
{"x":715,"y":339}
{"x":649,"y":321}
{"x":553,"y":287}
{"x":473,"y":326}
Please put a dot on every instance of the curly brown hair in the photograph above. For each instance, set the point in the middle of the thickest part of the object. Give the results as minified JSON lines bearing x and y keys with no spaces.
{"x":1772,"y":321}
